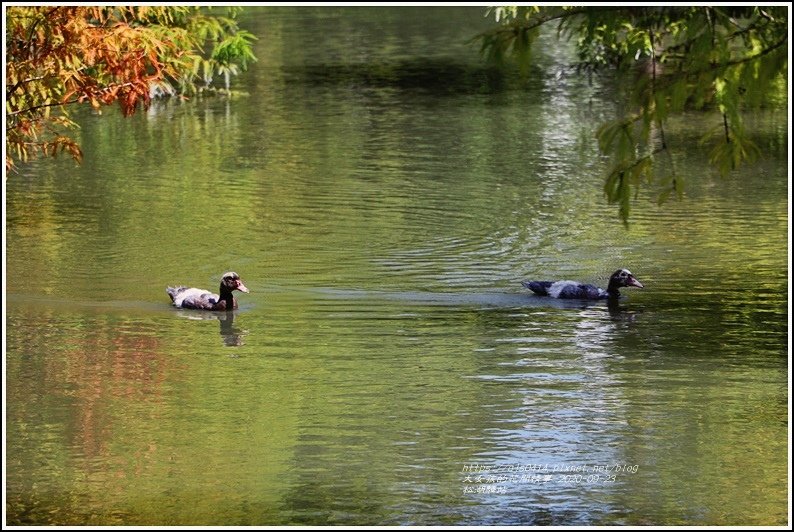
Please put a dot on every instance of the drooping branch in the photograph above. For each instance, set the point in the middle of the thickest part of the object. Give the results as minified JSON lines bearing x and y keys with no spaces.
{"x":688,"y":57}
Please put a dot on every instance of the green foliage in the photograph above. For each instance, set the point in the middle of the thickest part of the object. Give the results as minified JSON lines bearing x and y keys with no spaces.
{"x":516,"y":38}
{"x":725,"y":59}
{"x":57,"y":56}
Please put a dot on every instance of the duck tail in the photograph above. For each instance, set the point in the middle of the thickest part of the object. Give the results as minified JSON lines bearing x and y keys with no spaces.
{"x":172,"y":291}
{"x":541,"y":288}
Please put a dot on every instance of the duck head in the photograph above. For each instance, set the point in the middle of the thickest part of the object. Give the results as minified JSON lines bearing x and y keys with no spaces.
{"x":622,"y":278}
{"x":231,"y":281}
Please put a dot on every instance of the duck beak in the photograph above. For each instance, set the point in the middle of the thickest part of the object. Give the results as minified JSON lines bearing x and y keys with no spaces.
{"x":634,"y":282}
{"x":241,"y":287}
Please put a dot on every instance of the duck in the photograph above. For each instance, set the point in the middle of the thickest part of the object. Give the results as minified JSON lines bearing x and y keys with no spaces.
{"x":576,"y":290}
{"x":199,"y":299}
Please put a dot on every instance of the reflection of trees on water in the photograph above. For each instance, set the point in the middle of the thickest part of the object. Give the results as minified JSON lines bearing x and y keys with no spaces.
{"x":91,"y":362}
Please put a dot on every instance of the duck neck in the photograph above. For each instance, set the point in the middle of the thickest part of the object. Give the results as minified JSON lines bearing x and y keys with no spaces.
{"x":227,"y":297}
{"x":612,"y":291}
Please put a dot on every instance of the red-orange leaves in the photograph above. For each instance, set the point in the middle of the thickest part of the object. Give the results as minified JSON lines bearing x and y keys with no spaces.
{"x":97,"y":55}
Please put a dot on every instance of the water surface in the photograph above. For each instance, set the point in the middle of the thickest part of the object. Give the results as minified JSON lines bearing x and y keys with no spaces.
{"x":382,"y":193}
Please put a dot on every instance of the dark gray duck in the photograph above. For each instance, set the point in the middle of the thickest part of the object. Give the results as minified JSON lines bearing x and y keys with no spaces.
{"x":575,"y":290}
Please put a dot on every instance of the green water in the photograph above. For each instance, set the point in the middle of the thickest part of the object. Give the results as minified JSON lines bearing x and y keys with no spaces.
{"x":383,"y":194}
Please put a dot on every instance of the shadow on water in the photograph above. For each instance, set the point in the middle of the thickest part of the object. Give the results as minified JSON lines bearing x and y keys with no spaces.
{"x":434,"y":76}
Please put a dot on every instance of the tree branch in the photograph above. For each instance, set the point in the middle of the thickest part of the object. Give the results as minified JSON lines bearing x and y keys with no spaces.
{"x":42,"y":106}
{"x":76,"y":100}
{"x":536,"y":24}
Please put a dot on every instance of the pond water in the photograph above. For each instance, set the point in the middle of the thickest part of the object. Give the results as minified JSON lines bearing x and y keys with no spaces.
{"x":382,"y":193}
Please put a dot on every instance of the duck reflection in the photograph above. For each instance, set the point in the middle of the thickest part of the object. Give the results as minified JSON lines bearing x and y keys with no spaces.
{"x":620,"y":313}
{"x":230,"y":335}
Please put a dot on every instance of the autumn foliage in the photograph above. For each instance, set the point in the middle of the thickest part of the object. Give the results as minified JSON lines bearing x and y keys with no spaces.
{"x":62,"y":55}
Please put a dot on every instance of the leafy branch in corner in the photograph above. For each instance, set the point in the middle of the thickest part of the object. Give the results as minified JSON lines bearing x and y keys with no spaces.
{"x":57,"y":57}
{"x":670,"y":59}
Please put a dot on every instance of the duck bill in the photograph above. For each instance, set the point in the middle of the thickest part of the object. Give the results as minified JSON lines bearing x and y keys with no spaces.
{"x":241,"y":287}
{"x":635,"y":282}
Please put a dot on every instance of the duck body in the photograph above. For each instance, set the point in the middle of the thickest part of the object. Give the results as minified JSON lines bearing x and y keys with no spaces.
{"x":566,"y":290}
{"x":199,"y":299}
{"x":576,"y":290}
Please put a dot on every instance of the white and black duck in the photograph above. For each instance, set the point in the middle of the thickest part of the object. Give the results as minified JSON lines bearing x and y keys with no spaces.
{"x":196,"y":298}
{"x":575,"y":290}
